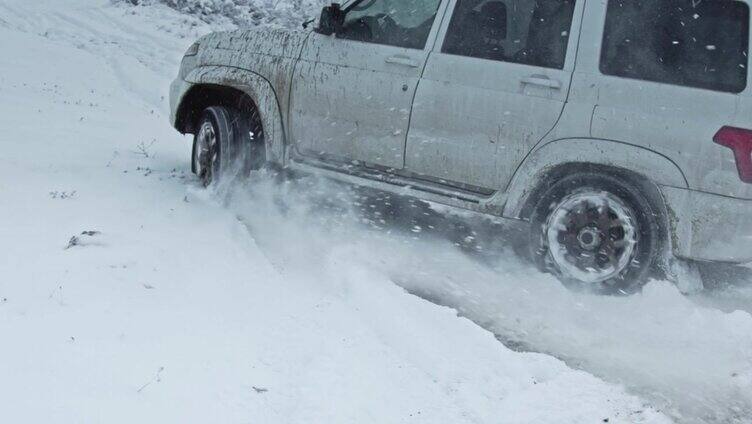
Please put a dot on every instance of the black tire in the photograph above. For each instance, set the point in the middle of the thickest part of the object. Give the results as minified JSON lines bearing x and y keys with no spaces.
{"x":237,"y":147}
{"x":623,"y":233}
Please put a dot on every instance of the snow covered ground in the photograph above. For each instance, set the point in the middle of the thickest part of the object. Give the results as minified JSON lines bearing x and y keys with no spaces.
{"x":243,"y":13}
{"x":129,"y":294}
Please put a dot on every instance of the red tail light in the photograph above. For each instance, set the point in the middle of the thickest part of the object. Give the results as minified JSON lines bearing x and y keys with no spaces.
{"x":740,"y":141}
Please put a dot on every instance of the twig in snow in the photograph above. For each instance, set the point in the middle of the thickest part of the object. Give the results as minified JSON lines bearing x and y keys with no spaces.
{"x":63,"y":194}
{"x":74,"y":241}
{"x":143,"y":148}
{"x":115,"y":154}
{"x":58,"y":288}
{"x":157,"y":378}
{"x":57,"y":294}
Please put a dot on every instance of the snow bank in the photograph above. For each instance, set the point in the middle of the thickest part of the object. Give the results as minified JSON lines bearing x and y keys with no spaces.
{"x":243,"y":13}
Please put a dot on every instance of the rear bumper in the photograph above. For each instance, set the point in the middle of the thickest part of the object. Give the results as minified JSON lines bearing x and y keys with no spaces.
{"x":709,"y":227}
{"x":178,"y":89}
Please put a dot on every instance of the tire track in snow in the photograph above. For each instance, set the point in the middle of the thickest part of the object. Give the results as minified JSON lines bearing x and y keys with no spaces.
{"x":692,"y":361}
{"x":317,"y":242}
{"x":117,"y":53}
{"x":15,"y":18}
{"x":121,"y":46}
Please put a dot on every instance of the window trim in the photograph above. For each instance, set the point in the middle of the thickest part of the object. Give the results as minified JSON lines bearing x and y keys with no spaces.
{"x":430,"y":38}
{"x":743,"y":89}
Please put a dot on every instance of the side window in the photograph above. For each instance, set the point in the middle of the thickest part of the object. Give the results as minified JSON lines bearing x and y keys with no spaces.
{"x":700,"y":44}
{"x":401,"y":23}
{"x":531,"y":32}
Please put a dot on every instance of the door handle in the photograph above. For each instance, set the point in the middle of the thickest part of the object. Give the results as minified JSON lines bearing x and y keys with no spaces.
{"x":542,"y":81}
{"x":402,"y":60}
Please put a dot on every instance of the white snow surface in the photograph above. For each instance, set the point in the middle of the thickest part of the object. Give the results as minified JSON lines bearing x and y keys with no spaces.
{"x":243,"y":13}
{"x":282,"y":300}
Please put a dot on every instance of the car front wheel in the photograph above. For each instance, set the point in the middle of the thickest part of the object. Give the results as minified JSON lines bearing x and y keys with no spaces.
{"x":227,"y":143}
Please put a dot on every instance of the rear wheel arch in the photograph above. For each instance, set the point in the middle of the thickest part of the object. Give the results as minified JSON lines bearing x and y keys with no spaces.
{"x":639,"y":181}
{"x":639,"y":166}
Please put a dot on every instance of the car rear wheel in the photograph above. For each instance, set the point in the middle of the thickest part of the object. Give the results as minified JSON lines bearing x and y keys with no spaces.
{"x":596,"y":231}
{"x":228,"y":143}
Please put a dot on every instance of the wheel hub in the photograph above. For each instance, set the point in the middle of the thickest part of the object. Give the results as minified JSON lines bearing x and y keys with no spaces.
{"x":589,"y":238}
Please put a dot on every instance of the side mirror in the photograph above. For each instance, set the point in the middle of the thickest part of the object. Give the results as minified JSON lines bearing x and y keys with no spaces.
{"x":332,"y":18}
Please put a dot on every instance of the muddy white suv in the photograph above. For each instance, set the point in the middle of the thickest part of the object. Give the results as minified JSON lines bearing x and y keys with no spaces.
{"x":620,"y":129}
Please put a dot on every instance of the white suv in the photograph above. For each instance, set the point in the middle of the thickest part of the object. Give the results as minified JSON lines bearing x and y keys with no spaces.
{"x":620,"y":129}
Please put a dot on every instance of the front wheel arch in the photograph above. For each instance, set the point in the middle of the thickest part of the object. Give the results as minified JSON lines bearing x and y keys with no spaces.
{"x":202,"y":96}
{"x":235,"y":87}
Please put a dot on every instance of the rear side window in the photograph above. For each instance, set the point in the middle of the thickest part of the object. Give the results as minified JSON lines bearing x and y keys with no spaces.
{"x":694,"y":43}
{"x":532,"y":32}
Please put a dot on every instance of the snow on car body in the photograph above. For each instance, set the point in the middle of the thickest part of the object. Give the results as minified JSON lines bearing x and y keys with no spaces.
{"x":512,"y":110}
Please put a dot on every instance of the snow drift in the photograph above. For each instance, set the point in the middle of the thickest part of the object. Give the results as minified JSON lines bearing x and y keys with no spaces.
{"x":244,"y":13}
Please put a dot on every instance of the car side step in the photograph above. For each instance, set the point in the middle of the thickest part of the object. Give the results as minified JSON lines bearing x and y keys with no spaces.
{"x":358,"y":171}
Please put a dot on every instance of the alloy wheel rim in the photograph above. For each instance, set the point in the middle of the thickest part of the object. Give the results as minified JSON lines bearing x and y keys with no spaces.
{"x":591,"y":236}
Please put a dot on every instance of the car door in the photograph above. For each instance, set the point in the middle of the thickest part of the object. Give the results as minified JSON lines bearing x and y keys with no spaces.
{"x":352,"y":92}
{"x":495,"y":84}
